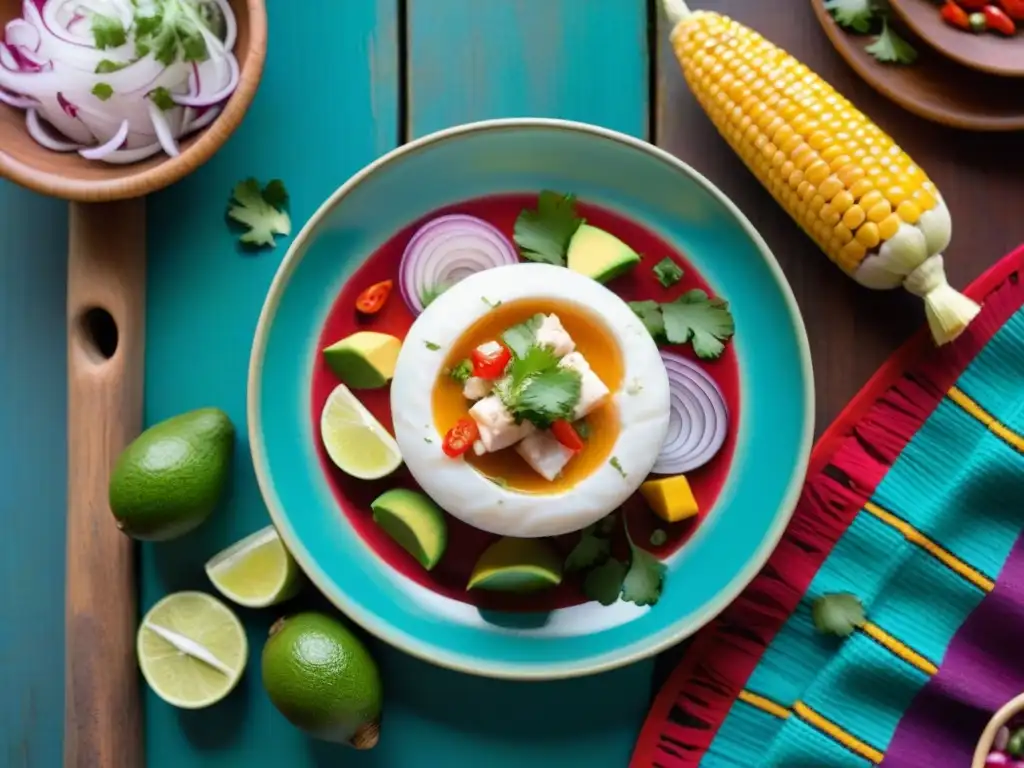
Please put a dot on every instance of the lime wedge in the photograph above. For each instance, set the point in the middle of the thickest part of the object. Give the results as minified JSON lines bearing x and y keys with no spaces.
{"x":517,"y":565}
{"x":192,"y":649}
{"x":255,"y":572}
{"x":356,"y":442}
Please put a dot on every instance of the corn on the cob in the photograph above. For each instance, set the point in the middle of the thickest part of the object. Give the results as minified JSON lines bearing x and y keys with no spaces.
{"x":845,"y":182}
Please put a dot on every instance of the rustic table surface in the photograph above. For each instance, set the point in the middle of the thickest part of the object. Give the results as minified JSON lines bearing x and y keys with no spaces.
{"x":347,"y":81}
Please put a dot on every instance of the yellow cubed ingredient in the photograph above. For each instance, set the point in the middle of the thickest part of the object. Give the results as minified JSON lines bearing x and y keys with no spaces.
{"x":670,"y":498}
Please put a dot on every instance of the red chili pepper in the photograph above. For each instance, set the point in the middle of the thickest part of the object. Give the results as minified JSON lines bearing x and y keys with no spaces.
{"x":973,"y":5}
{"x":373,"y":298}
{"x":955,"y":16}
{"x":998,"y":20}
{"x":460,"y":438}
{"x":567,"y":435}
{"x":1014,"y":8}
{"x":490,"y":366}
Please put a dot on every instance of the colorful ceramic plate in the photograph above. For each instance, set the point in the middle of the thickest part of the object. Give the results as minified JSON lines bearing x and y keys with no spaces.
{"x":492,"y":170}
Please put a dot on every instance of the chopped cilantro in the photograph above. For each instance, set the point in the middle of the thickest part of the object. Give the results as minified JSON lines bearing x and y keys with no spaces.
{"x":106,"y":66}
{"x":592,"y":549}
{"x":162,"y":98}
{"x":604,"y":583}
{"x":617,"y":465}
{"x":432,"y":346}
{"x":427,"y":440}
{"x":537,"y":389}
{"x":668,"y":272}
{"x":107,"y":32}
{"x":261,"y":210}
{"x":839,"y":614}
{"x":175,"y":29}
{"x":431,"y":293}
{"x":650,"y":315}
{"x":501,"y":482}
{"x":462,"y":371}
{"x":489,"y":303}
{"x":520,"y":338}
{"x":543,"y":234}
{"x":704,"y":322}
{"x":646,"y":575}
{"x":658,"y":537}
{"x":889,"y":47}
{"x":856,"y":15}
{"x":102,"y":91}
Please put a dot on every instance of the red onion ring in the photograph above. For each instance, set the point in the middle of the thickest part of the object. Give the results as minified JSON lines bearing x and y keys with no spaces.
{"x":127,"y":156}
{"x":197,"y":99}
{"x":16,"y":101}
{"x":447,"y":249}
{"x":202,"y":119}
{"x":163,"y":130}
{"x":100,"y":152}
{"x":20,"y":32}
{"x":40,"y":134}
{"x":698,"y":418}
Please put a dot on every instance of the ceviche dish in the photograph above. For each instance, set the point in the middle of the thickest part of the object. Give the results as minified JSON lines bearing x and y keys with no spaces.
{"x":527,"y":402}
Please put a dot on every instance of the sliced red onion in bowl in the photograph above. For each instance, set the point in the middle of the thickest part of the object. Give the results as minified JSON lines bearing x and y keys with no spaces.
{"x":163,"y":130}
{"x":40,"y":134}
{"x":444,"y":251}
{"x":20,"y":32}
{"x":199,"y":99}
{"x":698,"y":418}
{"x":98,"y":153}
{"x":16,"y":101}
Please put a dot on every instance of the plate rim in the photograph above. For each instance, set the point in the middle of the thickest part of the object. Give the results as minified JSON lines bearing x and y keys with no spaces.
{"x":457,"y":661}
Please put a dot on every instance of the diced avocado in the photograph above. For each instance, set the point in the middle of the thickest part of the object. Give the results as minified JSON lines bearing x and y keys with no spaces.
{"x":599,"y":255}
{"x":670,"y":498}
{"x":517,"y":565}
{"x":364,"y":360}
{"x":415,"y":523}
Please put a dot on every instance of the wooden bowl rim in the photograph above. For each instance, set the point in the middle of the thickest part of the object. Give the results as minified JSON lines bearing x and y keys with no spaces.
{"x":910,"y":19}
{"x":1004,"y":713}
{"x":209,"y":140}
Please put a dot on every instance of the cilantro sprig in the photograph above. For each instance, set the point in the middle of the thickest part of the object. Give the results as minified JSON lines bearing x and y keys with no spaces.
{"x":668,"y":272}
{"x":543,"y":234}
{"x":638,"y":581}
{"x":865,"y":17}
{"x":261,"y":210}
{"x":537,"y":389}
{"x":693,"y":318}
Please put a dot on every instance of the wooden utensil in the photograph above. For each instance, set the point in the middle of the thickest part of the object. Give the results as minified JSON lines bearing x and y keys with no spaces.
{"x":933,"y":87}
{"x":988,"y":52}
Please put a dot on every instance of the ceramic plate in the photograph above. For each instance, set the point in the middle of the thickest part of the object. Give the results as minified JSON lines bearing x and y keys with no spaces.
{"x":492,"y":170}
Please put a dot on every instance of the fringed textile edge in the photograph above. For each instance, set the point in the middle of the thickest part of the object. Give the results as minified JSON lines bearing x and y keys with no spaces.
{"x":847,"y":464}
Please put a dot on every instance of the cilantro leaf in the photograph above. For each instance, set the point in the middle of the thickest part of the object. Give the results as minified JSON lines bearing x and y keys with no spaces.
{"x":857,"y":15}
{"x":462,"y":371}
{"x":147,"y":25}
{"x":838,"y":614}
{"x":261,"y":210}
{"x":102,"y":91}
{"x":520,"y":338}
{"x":162,"y":98}
{"x":543,"y":234}
{"x":107,"y":32}
{"x":889,"y":47}
{"x":432,"y":346}
{"x":705,"y":322}
{"x":604,"y":583}
{"x":650,"y":315}
{"x":106,"y":66}
{"x":643,"y":582}
{"x":194,"y":45}
{"x":536,"y":389}
{"x":668,"y":272}
{"x":592,"y":549}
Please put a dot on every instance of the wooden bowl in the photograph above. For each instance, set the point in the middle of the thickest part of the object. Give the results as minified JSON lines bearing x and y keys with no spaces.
{"x":70,"y":176}
{"x":988,"y":52}
{"x":1013,"y":707}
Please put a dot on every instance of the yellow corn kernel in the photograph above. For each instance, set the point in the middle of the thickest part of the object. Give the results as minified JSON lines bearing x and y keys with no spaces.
{"x":843,"y":233}
{"x":879,"y":211}
{"x":830,"y":187}
{"x":887,"y":227}
{"x":854,"y":217}
{"x":867,"y":234}
{"x":817,"y":172}
{"x":860,"y":188}
{"x":871,"y":199}
{"x":908,"y":212}
{"x":924,"y":199}
{"x":831,"y":153}
{"x":830,"y":215}
{"x":842,"y":201}
{"x":852,"y":254}
{"x":805,"y":190}
{"x":850,"y":174}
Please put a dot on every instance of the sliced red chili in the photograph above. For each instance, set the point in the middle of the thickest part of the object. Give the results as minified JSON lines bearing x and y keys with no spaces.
{"x":460,"y":438}
{"x":492,"y":365}
{"x":567,"y":435}
{"x":1014,"y":8}
{"x":373,"y":298}
{"x":999,"y":21}
{"x":973,"y":5}
{"x":955,"y":16}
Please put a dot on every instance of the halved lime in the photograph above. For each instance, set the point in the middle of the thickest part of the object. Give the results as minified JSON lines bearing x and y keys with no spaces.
{"x":356,"y":442}
{"x":257,"y":571}
{"x":192,"y":649}
{"x":414,"y":521}
{"x":517,"y":565}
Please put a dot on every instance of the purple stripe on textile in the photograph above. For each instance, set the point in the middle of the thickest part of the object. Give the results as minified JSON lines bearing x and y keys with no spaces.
{"x":982,"y":670}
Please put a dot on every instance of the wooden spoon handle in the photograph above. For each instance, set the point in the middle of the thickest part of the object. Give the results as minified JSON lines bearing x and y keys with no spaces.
{"x":106,"y":334}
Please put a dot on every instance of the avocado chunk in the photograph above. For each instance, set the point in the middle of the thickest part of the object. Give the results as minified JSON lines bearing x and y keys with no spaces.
{"x":599,"y":255}
{"x":414,"y":522}
{"x":517,"y":565}
{"x":364,"y":360}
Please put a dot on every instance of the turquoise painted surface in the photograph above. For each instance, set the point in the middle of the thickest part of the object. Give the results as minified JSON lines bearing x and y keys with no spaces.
{"x":33,"y":467}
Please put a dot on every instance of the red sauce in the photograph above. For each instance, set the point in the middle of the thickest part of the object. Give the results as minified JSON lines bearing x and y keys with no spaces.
{"x":465,"y":543}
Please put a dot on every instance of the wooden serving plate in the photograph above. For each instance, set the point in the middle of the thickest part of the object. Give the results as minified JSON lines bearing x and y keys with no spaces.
{"x":933,"y":87}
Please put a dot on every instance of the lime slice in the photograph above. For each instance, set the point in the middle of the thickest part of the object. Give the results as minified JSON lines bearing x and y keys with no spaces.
{"x":517,"y":565}
{"x":356,"y":442}
{"x":256,"y":572}
{"x":192,"y":649}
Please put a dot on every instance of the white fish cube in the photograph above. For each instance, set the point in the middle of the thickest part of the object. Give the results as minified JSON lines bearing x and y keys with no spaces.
{"x":545,"y":455}
{"x":593,"y":391}
{"x":552,"y":334}
{"x":489,"y":348}
{"x":476,"y":388}
{"x":498,"y":429}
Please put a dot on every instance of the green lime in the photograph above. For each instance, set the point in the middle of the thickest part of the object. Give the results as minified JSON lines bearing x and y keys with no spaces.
{"x":257,"y":571}
{"x":171,"y":477}
{"x":517,"y":565}
{"x":356,"y":442}
{"x":414,"y":521}
{"x":192,"y":649}
{"x":323,"y":679}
